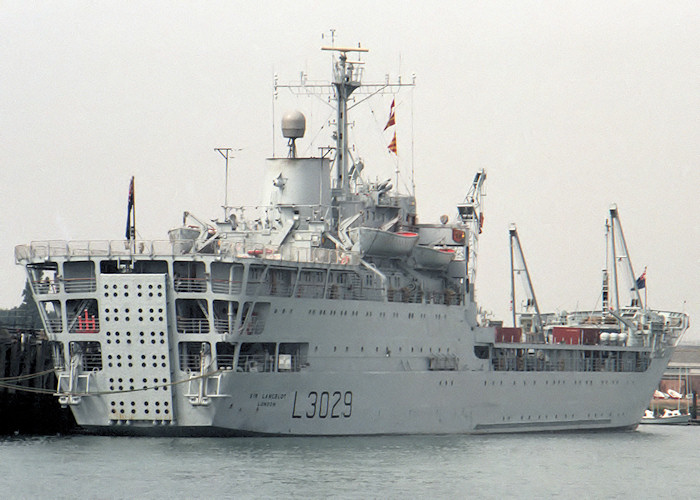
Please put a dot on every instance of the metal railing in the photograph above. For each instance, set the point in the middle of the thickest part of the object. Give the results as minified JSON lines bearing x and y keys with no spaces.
{"x":251,"y":327}
{"x":310,"y":290}
{"x":79,"y":285}
{"x":54,"y":325}
{"x":92,"y":325}
{"x":45,"y":286}
{"x":267,"y":287}
{"x":224,"y":326}
{"x":93,"y":248}
{"x":192,"y":325}
{"x":190,"y":362}
{"x":45,"y":250}
{"x":571,"y":363}
{"x":190,"y":284}
{"x":225,"y":361}
{"x":92,"y":361}
{"x":226,"y":286}
{"x":256,"y":363}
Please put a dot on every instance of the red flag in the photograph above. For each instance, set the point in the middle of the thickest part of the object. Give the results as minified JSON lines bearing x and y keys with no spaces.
{"x":392,"y":145}
{"x":392,"y":118}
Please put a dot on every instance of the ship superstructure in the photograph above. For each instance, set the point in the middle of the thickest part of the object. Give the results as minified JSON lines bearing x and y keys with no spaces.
{"x":330,"y":311}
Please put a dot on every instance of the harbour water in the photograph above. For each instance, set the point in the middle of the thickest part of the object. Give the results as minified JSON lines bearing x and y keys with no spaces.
{"x":649,"y":462}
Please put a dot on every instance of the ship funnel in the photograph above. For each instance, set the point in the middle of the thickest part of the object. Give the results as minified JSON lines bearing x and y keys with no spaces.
{"x":293,"y":128}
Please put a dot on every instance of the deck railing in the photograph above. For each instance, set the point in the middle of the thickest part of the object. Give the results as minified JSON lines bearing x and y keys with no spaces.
{"x":226,"y":286}
{"x":46,"y":286}
{"x":251,"y":326}
{"x":224,"y":325}
{"x":190,"y":362}
{"x":46,"y":250}
{"x":190,"y":284}
{"x":79,"y":285}
{"x":569,"y":361}
{"x":256,"y":363}
{"x":225,"y":361}
{"x":54,"y":325}
{"x":92,"y":361}
{"x":192,"y":325}
{"x":105,"y":248}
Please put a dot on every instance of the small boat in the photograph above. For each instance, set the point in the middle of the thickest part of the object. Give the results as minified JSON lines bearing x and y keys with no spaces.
{"x":373,"y":241}
{"x":675,"y":395}
{"x":183,"y":238}
{"x":431,"y":257}
{"x":669,"y":417}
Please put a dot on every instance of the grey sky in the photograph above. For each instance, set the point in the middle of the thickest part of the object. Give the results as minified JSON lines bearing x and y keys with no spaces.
{"x":570,"y":106}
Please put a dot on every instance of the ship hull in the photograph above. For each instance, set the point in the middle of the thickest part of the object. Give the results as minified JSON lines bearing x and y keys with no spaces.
{"x":129,"y":363}
{"x":347,"y":403}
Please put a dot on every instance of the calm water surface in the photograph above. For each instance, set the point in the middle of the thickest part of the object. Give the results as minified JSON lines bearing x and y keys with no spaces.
{"x":654,"y":461}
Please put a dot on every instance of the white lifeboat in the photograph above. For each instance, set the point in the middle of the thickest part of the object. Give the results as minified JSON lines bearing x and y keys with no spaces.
{"x":373,"y":241}
{"x":432,"y":257}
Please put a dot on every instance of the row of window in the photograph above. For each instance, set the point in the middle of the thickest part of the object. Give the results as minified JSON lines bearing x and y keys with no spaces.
{"x":192,"y":316}
{"x":228,"y":278}
{"x":564,"y":360}
{"x":192,"y":357}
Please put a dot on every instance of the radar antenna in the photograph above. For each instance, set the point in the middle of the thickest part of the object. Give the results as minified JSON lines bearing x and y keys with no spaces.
{"x":293,"y":128}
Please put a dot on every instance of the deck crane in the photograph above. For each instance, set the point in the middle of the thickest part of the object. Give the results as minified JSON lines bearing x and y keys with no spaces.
{"x":519,"y":266}
{"x":472,"y":214}
{"x":621,"y":264}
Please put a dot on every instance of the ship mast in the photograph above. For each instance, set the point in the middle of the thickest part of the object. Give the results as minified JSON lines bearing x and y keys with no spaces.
{"x":347,"y":76}
{"x":346,"y":79}
{"x":226,"y":153}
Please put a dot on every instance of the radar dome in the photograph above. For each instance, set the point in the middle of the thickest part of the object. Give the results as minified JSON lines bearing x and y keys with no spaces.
{"x":293,"y":125}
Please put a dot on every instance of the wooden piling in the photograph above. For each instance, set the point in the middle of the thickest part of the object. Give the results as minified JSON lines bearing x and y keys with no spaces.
{"x":27,"y":405}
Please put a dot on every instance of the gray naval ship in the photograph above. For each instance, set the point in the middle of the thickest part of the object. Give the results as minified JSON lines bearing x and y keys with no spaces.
{"x":331,"y":311}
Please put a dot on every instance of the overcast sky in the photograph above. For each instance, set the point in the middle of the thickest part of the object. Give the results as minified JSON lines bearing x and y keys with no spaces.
{"x":569,"y":106}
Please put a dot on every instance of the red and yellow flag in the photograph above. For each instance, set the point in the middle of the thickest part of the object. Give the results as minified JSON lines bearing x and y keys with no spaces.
{"x":392,"y":118}
{"x":392,"y":145}
{"x":392,"y":121}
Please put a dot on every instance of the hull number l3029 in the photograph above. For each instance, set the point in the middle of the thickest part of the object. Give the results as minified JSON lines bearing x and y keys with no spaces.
{"x":324,"y":404}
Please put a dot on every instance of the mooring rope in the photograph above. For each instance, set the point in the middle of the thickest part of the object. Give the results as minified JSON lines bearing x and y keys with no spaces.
{"x":41,"y":390}
{"x":26,"y":376}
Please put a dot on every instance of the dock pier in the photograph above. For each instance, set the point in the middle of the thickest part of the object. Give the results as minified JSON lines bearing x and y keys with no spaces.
{"x":27,"y":384}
